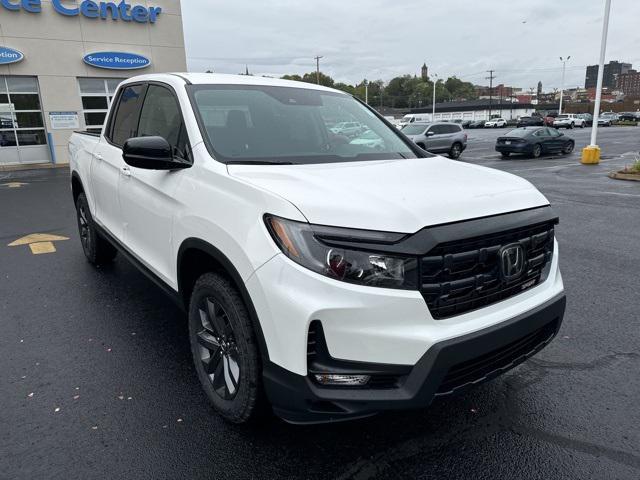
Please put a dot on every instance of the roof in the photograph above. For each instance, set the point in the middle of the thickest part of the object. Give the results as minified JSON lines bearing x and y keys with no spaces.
{"x":227,"y":79}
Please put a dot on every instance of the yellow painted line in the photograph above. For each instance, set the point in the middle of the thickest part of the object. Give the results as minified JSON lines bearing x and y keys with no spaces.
{"x":13,"y":184}
{"x":39,"y":243}
{"x":39,"y":248}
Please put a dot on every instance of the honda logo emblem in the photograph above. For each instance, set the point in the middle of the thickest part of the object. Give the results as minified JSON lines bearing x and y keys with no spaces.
{"x":511,"y":261}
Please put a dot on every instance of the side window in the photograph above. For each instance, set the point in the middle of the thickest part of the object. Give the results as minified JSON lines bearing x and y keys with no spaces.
{"x":125,"y":122}
{"x":160,"y":117}
{"x":437,"y":129}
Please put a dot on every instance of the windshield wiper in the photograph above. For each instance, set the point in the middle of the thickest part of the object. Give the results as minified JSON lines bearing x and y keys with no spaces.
{"x":260,"y":162}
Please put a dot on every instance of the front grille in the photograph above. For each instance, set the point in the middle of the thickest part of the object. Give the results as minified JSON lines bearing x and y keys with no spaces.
{"x":465,"y":275}
{"x":497,"y":361}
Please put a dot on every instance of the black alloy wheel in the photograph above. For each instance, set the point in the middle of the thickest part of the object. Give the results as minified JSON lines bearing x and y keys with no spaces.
{"x":218,"y":349}
{"x":225,"y":350}
{"x":456,"y":151}
{"x":97,"y":249}
{"x":568,"y":148}
{"x":537,"y":151}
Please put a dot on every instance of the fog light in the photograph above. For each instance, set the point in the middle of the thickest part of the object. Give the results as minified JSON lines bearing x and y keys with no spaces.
{"x":342,"y":380}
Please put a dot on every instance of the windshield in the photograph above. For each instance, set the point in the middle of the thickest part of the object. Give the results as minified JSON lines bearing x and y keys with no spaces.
{"x":414,"y":129}
{"x":560,"y":117}
{"x":266,"y":124}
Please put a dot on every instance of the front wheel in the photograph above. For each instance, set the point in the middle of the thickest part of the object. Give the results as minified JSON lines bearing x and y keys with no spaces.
{"x":505,"y":154}
{"x":456,"y":151}
{"x":568,"y":148}
{"x":224,"y":348}
{"x":97,"y":250}
{"x":537,"y":151}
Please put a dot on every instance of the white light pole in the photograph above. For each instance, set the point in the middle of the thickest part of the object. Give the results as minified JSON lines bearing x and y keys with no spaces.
{"x":564,"y":68}
{"x":366,"y":92}
{"x":591,"y":154}
{"x":435,"y":82}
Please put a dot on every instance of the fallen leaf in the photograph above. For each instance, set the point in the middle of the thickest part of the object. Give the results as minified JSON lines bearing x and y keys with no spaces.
{"x":57,"y":409}
{"x":95,"y":427}
{"x":108,"y":349}
{"x":75,"y":397}
{"x":30,"y":395}
{"x":120,"y":397}
{"x":129,"y":398}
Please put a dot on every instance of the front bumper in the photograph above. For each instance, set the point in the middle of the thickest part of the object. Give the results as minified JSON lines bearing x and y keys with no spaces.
{"x":447,"y":367}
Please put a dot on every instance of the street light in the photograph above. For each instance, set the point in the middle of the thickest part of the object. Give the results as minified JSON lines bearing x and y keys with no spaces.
{"x":435,"y":82}
{"x":564,"y":68}
{"x":591,"y":154}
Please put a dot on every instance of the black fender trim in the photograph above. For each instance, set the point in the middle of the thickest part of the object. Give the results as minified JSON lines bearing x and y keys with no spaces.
{"x":221,"y":258}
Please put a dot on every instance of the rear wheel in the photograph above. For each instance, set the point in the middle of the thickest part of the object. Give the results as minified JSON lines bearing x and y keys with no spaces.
{"x":537,"y":151}
{"x":97,"y":249}
{"x":456,"y":151}
{"x":225,"y":349}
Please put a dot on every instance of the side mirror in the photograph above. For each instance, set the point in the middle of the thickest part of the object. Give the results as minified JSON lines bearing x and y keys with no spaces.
{"x":151,"y":153}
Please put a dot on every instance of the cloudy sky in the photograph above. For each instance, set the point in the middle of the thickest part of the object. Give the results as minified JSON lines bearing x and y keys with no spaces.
{"x":520,"y":39}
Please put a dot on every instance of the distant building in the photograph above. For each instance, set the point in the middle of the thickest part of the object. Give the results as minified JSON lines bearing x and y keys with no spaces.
{"x":629,"y":83}
{"x":539,"y":89}
{"x":424,"y":72}
{"x":483,"y":110}
{"x":498,"y":91}
{"x":611,"y":71}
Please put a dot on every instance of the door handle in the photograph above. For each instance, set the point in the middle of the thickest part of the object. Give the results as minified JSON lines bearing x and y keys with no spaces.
{"x":126,"y":171}
{"x":98,"y":156}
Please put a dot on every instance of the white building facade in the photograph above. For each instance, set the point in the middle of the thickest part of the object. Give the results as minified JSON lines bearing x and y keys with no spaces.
{"x":60,"y":63}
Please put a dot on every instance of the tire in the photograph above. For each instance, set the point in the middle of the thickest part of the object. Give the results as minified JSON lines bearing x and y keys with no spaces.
{"x":97,"y":249}
{"x":505,"y":154}
{"x":568,"y":149}
{"x":455,"y":151}
{"x":582,"y":125}
{"x":570,"y":127}
{"x":225,"y":349}
{"x":537,"y":151}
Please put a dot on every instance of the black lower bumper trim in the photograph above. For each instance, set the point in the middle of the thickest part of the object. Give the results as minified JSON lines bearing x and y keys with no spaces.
{"x":447,"y":367}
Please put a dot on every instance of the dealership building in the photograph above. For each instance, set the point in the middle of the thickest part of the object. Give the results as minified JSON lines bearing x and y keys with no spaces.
{"x":60,"y":63}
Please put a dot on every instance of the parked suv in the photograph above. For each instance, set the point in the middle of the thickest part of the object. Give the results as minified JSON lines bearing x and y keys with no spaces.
{"x":495,"y":123}
{"x":321,"y":277}
{"x":442,"y":137}
{"x":569,"y":120}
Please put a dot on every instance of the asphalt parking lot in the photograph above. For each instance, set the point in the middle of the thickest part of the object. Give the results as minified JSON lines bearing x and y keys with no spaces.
{"x":97,"y":381}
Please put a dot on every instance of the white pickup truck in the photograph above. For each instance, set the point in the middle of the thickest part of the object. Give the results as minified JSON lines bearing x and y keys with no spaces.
{"x":326,"y":278}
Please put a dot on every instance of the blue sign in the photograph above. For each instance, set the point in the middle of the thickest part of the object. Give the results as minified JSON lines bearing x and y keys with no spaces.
{"x":116,"y":60}
{"x":9,"y":55}
{"x":90,"y":9}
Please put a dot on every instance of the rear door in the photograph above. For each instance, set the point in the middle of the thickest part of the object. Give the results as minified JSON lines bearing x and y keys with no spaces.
{"x":107,"y":162}
{"x":556,"y":140}
{"x":147,"y":196}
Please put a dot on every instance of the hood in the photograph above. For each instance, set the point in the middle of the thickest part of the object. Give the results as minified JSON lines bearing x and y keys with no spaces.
{"x":394,"y":195}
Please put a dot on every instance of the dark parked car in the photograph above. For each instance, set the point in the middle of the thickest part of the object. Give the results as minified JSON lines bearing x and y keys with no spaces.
{"x":629,"y":116}
{"x":534,"y":141}
{"x":466,"y":123}
{"x":477,"y":124}
{"x":532,"y":121}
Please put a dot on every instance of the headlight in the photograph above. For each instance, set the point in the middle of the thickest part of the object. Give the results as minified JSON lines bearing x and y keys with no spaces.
{"x":303,"y":243}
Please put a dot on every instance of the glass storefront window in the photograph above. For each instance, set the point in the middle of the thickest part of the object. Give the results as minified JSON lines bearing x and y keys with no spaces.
{"x":31,"y":137}
{"x":96,"y":94}
{"x":22,"y":85}
{"x":8,"y":138}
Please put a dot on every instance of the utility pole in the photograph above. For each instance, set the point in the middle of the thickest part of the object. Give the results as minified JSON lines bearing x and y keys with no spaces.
{"x":591,"y":154}
{"x":490,"y":78}
{"x":318,"y":68}
{"x":366,"y":91}
{"x":564,"y":68}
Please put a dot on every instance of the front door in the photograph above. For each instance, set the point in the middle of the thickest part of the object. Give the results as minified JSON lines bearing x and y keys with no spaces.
{"x":147,"y":196}
{"x":107,"y":164}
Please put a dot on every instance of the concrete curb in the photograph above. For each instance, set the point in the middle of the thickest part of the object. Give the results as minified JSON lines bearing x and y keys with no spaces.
{"x":32,"y":166}
{"x":625,"y":176}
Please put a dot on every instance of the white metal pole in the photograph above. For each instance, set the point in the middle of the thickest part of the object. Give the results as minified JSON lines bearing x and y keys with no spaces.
{"x":435,"y":82}
{"x":564,"y":68}
{"x":603,"y":51}
{"x":366,"y":92}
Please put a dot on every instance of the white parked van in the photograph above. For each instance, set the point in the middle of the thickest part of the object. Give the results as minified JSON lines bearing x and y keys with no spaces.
{"x":415,"y":117}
